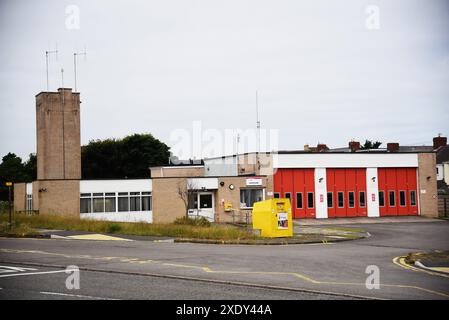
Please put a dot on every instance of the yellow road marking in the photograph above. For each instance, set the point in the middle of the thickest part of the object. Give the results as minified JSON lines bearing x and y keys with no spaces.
{"x":441,"y":269}
{"x":400,"y":261}
{"x":96,"y":237}
{"x":207,"y":269}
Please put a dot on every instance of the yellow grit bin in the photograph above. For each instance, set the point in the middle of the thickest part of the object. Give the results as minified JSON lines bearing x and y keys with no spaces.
{"x":273,"y":217}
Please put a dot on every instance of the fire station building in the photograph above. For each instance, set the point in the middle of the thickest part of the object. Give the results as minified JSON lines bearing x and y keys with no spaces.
{"x":320,"y":182}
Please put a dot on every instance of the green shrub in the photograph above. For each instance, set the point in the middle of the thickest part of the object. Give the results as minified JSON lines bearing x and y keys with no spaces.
{"x":4,"y":206}
{"x":113,"y":228}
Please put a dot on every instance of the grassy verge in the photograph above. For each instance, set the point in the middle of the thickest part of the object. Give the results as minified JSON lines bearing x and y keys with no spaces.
{"x":222,"y":232}
{"x":17,"y":229}
{"x":432,"y":256}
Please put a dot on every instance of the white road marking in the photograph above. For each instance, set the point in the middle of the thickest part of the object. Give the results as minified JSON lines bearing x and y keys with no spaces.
{"x":9,"y":269}
{"x":34,"y":273}
{"x":75,"y":295}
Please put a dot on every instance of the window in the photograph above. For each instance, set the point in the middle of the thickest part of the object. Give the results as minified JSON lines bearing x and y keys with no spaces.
{"x":249,"y":196}
{"x":85,"y":205}
{"x":381,"y":199}
{"x":29,"y":202}
{"x":330,"y":200}
{"x":299,"y":200}
{"x":146,"y":201}
{"x":123,"y":202}
{"x":362,"y":201}
{"x":98,"y":202}
{"x":341,"y":199}
{"x":276,"y":195}
{"x":109,"y":202}
{"x":392,"y":198}
{"x":413,"y":198}
{"x":288,"y":195}
{"x":86,"y":202}
{"x":351,"y":198}
{"x":310,"y":202}
{"x":134,"y":201}
{"x":206,"y":201}
{"x":115,"y":202}
{"x":193,"y":200}
{"x":402,"y":198}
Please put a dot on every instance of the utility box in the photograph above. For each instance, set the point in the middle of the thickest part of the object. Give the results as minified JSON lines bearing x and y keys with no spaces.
{"x":273,"y":217}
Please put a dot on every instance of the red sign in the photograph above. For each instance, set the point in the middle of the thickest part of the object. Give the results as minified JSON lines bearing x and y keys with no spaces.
{"x":373,"y":197}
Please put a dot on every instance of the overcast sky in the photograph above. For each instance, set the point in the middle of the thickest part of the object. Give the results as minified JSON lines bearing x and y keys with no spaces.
{"x":322,"y":74}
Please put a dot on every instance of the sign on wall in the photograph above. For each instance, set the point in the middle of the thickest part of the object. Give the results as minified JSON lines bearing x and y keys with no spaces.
{"x":253,"y":182}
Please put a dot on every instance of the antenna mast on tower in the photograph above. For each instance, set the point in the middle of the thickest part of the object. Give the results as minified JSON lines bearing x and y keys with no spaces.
{"x":257,"y":123}
{"x":75,"y":54}
{"x":47,"y":53}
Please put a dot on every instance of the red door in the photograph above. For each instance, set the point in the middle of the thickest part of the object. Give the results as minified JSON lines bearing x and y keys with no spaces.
{"x":309,"y":183}
{"x":299,"y":186}
{"x":331,"y":195}
{"x":397,"y":191}
{"x":401,"y":191}
{"x":347,"y":189}
{"x":351,"y":190}
{"x":412,"y":191}
{"x":382,"y":185}
{"x":299,"y":194}
{"x":340,"y":193}
{"x":361,"y":193}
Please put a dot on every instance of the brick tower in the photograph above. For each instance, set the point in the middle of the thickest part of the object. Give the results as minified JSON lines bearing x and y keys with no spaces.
{"x":58,"y":135}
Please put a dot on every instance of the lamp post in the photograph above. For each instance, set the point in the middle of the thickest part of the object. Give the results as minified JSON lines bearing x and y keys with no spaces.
{"x":9,"y":185}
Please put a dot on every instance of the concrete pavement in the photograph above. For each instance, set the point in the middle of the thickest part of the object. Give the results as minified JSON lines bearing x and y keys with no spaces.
{"x":338,"y":268}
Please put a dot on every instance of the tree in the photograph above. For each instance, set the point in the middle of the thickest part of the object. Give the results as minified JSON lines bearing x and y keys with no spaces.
{"x":370,"y":145}
{"x":130,"y":157}
{"x":12,"y":169}
{"x":30,"y":167}
{"x":187,"y":192}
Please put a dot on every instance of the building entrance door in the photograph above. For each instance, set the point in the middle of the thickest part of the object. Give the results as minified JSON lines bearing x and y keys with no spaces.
{"x":203,"y":206}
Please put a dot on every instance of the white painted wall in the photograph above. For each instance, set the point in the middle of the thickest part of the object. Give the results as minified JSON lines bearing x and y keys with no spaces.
{"x":124,"y":185}
{"x":135,"y":216}
{"x":372,"y":192}
{"x":440,"y":172}
{"x":203,"y":183}
{"x":320,"y":193}
{"x":446,"y":172}
{"x":346,"y":160}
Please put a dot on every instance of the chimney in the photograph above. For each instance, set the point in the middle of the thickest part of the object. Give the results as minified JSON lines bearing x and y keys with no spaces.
{"x":321,"y":147}
{"x":439,"y":142}
{"x":393,"y":147}
{"x":354,"y":146}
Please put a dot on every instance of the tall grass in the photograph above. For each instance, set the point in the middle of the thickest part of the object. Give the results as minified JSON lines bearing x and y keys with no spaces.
{"x":214,"y":231}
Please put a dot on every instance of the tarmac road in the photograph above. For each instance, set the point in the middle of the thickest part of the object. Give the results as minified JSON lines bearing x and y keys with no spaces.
{"x":150,"y":270}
